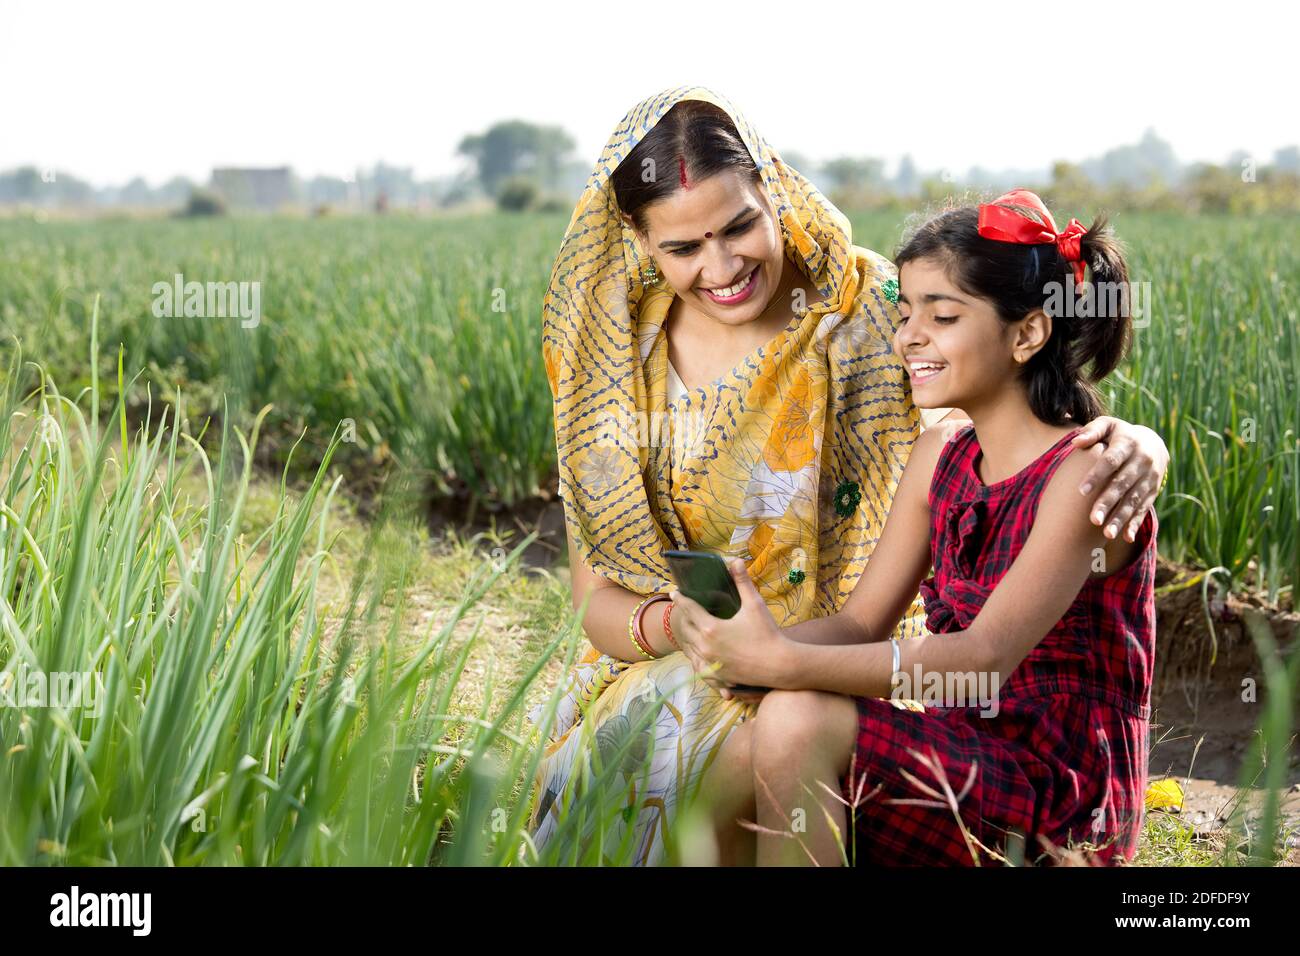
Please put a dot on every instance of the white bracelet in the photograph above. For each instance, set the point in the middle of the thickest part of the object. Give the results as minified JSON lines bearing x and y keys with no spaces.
{"x":898,"y":654}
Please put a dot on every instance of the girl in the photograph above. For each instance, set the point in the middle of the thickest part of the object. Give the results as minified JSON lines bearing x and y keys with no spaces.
{"x":1036,"y":673}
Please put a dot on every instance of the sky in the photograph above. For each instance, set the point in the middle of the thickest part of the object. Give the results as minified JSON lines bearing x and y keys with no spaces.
{"x":106,"y":91}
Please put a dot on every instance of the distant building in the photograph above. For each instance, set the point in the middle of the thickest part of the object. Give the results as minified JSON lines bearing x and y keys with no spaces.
{"x":267,"y":189}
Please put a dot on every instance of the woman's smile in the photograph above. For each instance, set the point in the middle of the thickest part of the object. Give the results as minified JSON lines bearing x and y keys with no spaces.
{"x":737,"y":292}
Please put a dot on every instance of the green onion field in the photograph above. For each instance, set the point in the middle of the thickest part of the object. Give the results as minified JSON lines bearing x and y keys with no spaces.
{"x":226,"y":526}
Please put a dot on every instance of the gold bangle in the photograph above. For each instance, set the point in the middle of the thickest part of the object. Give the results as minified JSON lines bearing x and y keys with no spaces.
{"x":640,"y":619}
{"x":633,"y":632}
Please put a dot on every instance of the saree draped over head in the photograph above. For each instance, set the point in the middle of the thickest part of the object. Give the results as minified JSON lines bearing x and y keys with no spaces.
{"x":790,"y":461}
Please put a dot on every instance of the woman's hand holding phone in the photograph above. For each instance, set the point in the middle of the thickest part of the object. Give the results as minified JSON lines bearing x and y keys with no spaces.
{"x":747,"y":648}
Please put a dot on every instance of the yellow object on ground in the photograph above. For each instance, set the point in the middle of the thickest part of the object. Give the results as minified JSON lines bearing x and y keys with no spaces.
{"x":1165,"y":795}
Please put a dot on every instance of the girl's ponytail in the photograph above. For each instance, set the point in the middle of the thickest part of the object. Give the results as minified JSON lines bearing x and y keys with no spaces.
{"x":1095,"y":327}
{"x":1104,"y":333}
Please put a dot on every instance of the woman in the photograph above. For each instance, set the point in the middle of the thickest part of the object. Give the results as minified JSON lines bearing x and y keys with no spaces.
{"x":697,"y":259}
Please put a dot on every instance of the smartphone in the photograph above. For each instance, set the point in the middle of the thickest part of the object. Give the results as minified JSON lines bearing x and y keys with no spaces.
{"x":703,"y":577}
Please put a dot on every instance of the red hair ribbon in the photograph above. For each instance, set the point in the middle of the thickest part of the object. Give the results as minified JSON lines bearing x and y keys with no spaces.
{"x":998,"y":222}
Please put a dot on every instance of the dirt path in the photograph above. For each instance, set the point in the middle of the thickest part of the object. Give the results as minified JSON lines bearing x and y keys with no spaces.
{"x":1207,"y":700}
{"x":1204,"y":746}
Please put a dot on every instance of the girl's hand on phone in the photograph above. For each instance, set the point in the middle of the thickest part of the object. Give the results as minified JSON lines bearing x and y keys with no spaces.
{"x":746,"y":649}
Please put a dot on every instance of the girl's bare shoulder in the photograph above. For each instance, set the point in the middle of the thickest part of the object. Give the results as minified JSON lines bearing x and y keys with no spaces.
{"x":927,"y":448}
{"x":1064,"y":489}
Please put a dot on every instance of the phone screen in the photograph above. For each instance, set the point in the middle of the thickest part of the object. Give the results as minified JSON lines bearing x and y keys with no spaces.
{"x":704,"y":578}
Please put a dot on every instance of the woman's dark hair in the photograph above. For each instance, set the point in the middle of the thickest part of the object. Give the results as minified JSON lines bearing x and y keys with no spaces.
{"x":1090,"y":333}
{"x":695,"y":137}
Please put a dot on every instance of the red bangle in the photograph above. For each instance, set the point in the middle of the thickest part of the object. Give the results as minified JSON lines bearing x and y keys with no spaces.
{"x":668,"y":625}
{"x":639,"y":635}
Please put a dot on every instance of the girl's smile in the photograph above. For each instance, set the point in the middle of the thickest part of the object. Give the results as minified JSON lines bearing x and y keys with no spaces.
{"x":922,"y":370}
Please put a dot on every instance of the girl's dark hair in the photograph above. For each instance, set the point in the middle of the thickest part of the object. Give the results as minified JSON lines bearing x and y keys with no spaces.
{"x":700,"y":134}
{"x":1092,"y":330}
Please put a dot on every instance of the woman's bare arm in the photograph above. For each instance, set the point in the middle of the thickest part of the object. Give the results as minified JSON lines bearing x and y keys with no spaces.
{"x":608,"y":611}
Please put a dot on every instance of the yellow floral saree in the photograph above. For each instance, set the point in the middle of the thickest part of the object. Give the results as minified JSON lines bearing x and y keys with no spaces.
{"x":790,"y":461}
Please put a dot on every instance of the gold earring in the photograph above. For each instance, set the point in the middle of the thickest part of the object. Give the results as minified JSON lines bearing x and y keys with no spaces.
{"x":651,"y":276}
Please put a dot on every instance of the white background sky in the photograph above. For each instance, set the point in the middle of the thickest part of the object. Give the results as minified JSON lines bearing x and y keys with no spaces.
{"x":109,"y":90}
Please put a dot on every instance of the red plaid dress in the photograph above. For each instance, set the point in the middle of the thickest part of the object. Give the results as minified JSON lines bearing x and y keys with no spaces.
{"x":1065,"y":757}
